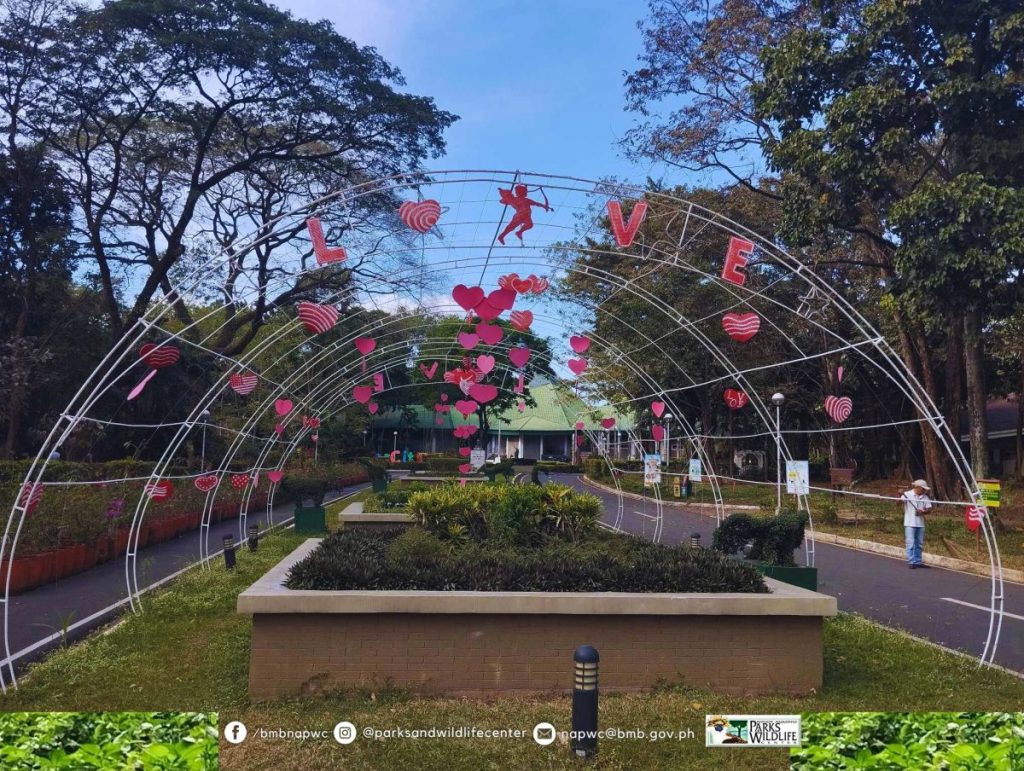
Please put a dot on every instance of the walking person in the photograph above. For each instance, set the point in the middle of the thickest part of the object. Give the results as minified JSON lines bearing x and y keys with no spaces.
{"x":916,"y":504}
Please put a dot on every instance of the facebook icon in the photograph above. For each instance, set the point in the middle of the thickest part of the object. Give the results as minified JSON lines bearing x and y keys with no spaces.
{"x":235,"y":732}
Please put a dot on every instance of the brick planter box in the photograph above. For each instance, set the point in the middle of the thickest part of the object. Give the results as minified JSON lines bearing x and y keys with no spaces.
{"x":485,"y":643}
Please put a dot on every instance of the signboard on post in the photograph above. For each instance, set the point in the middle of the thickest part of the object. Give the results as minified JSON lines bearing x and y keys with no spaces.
{"x":798,"y":477}
{"x":477,"y":458}
{"x":695,"y":470}
{"x":652,"y":469}
{"x":989,"y":489}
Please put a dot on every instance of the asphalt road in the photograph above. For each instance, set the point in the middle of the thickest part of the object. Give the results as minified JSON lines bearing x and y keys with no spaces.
{"x":878,"y":587}
{"x":90,"y":599}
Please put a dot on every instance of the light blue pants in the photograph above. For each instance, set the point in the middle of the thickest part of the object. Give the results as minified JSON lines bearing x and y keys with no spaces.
{"x":915,"y":542}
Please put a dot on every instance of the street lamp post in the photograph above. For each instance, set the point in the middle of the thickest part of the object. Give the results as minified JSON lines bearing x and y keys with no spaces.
{"x":204,"y":416}
{"x":394,"y":447}
{"x":777,"y":400}
{"x":668,"y":438}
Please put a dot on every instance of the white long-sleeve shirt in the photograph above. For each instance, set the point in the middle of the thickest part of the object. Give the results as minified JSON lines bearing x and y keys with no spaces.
{"x":912,"y":504}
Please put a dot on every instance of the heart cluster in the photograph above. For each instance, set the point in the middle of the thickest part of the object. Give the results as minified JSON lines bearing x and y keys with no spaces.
{"x":530,"y":285}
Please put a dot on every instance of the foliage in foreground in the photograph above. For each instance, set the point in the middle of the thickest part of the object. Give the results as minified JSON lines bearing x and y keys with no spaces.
{"x":415,"y":559}
{"x":885,"y":740}
{"x":773,"y":540}
{"x":161,"y":741}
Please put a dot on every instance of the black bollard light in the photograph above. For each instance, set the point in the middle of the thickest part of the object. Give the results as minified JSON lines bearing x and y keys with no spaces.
{"x":695,"y":541}
{"x":584,"y":702}
{"x":229,"y":552}
{"x":254,"y":537}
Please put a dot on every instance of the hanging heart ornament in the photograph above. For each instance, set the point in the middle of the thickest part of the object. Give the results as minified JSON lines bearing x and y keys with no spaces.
{"x":838,"y":407}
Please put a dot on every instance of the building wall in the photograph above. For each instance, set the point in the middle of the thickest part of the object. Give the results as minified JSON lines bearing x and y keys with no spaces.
{"x":305,"y":653}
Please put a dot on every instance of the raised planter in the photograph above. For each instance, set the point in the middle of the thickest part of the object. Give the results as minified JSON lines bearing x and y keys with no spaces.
{"x":354,"y":516}
{"x":522,"y":642}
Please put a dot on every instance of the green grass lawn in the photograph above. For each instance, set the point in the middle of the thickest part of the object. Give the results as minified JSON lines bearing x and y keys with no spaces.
{"x":189,"y":651}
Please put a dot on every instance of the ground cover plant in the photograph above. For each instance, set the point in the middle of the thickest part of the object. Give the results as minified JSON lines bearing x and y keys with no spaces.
{"x":872,"y":741}
{"x":415,"y":559}
{"x":81,"y":741}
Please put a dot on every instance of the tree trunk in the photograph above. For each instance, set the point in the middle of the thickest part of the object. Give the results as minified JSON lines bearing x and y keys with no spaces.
{"x":976,"y":393}
{"x":954,"y":372}
{"x":1020,"y":426}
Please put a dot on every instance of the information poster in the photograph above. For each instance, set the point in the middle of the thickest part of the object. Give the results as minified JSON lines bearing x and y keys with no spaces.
{"x":477,"y":457}
{"x":695,"y":470}
{"x":798,"y":477}
{"x":652,"y":469}
{"x":989,"y":489}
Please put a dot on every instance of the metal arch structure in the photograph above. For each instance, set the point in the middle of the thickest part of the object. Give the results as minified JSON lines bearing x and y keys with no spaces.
{"x":464,"y":193}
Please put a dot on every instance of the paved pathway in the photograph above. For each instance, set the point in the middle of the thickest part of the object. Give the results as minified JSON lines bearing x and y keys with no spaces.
{"x":90,"y":599}
{"x":881,"y":588}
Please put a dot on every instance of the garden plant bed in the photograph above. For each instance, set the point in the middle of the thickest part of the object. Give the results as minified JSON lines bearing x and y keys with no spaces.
{"x":493,"y":642}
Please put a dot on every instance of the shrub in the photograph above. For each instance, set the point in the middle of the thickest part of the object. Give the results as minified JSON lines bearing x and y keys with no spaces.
{"x":360,"y":559}
{"x":444,"y":464}
{"x":773,"y":539}
{"x":299,"y":490}
{"x":595,"y":468}
{"x":557,"y":467}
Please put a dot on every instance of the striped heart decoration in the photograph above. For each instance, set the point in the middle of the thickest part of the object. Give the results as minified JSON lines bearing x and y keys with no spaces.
{"x":735,"y":399}
{"x":838,"y":407}
{"x":238,"y":481}
{"x":741,"y":326}
{"x":159,"y":491}
{"x":243,"y":383}
{"x":317,"y":318}
{"x":506,"y":281}
{"x":421,"y":216}
{"x":206,"y":483}
{"x":521,"y":320}
{"x":159,"y":356}
{"x":31,"y":494}
{"x":539,"y":284}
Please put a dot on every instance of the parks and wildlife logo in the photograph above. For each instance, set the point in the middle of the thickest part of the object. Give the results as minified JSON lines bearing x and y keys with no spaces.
{"x":752,"y":731}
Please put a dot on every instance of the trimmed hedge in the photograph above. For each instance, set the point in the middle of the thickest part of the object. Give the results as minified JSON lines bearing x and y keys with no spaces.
{"x":388,"y":560}
{"x":774,"y":539}
{"x":445,"y":464}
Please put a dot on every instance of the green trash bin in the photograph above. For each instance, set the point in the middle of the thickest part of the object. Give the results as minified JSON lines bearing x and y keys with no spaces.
{"x":310,"y":520}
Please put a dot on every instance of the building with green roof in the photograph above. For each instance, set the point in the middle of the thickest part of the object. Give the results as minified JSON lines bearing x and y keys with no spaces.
{"x":546,"y":430}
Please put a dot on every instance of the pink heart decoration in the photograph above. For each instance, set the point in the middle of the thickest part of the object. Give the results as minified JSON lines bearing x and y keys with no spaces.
{"x":465,"y":451}
{"x":580,"y":440}
{"x":465,"y":385}
{"x":521,"y":320}
{"x":607,"y":422}
{"x":421,"y":216}
{"x":505,"y":282}
{"x":468,"y":340}
{"x":521,"y":406}
{"x":429,"y":372}
{"x":491,"y":334}
{"x":502,"y":299}
{"x":485,"y":363}
{"x":579,"y":343}
{"x":483,"y":393}
{"x":658,"y":408}
{"x":275,"y":476}
{"x":470,"y":430}
{"x":206,"y":483}
{"x":317,"y":318}
{"x":468,"y":297}
{"x":466,"y":406}
{"x":465,"y":468}
{"x":838,"y":407}
{"x":519,"y":356}
{"x":283,"y":406}
{"x":520,"y":383}
{"x":373,"y":407}
{"x":444,"y":397}
{"x":486,"y":311}
{"x":658,"y":432}
{"x":839,"y":373}
{"x":365,"y":345}
{"x":741,"y":326}
{"x":378,"y":381}
{"x":735,"y":399}
{"x":579,"y":425}
{"x":578,"y":366}
{"x":362,"y":394}
{"x":441,"y":407}
{"x":279,"y":428}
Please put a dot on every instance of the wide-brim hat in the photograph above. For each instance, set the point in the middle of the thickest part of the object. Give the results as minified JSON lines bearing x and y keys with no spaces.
{"x":922,"y":484}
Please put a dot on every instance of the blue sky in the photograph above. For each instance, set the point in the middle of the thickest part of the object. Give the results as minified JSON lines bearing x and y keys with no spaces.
{"x":538,"y":84}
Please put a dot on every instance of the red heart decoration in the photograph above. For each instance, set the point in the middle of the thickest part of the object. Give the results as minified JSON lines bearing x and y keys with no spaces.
{"x":483,"y":393}
{"x":275,"y":476}
{"x":465,"y":468}
{"x":502,"y":299}
{"x":466,"y":406}
{"x":522,"y":285}
{"x":465,"y":451}
{"x":373,"y":407}
{"x":459,"y":376}
{"x":486,"y":311}
{"x":658,"y":408}
{"x":428,"y":372}
{"x":521,"y":320}
{"x":491,"y":334}
{"x":30,"y":496}
{"x":658,"y":432}
{"x":159,"y":491}
{"x":838,"y":407}
{"x":607,"y":422}
{"x":735,"y":399}
{"x":243,"y":384}
{"x":741,"y":326}
{"x":579,"y":425}
{"x":578,"y":366}
{"x":317,"y":318}
{"x":313,"y":422}
{"x":579,"y":343}
{"x":160,"y":356}
{"x":362,"y":394}
{"x":365,"y":345}
{"x":206,"y":483}
{"x":283,"y":406}
{"x":485,"y":363}
{"x":505,"y":282}
{"x":519,"y":356}
{"x":238,"y":481}
{"x":421,"y":216}
{"x":468,"y":297}
{"x":539,"y":284}
{"x":468,"y":340}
